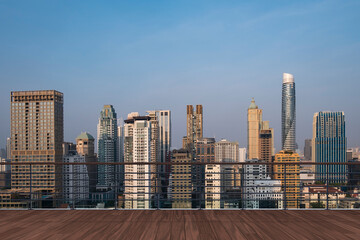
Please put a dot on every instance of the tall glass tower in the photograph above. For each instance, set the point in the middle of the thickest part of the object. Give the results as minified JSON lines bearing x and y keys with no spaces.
{"x":288,"y":113}
{"x":329,"y":146}
{"x":107,"y":147}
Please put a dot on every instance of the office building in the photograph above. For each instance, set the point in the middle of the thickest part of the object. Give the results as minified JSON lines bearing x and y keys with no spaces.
{"x":76,"y":180}
{"x":288,"y":113}
{"x":137,"y":182}
{"x":254,"y":125}
{"x":37,"y":126}
{"x":228,"y":152}
{"x":329,"y":146}
{"x":85,"y":146}
{"x":260,"y":135}
{"x":107,"y":148}
{"x":163,"y":117}
{"x":194,"y":127}
{"x":308,"y":150}
{"x":181,"y":186}
{"x":205,"y":153}
{"x":212,"y":186}
{"x":289,"y":174}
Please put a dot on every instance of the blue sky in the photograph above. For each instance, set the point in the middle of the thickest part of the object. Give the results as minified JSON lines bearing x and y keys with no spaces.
{"x":144,"y":55}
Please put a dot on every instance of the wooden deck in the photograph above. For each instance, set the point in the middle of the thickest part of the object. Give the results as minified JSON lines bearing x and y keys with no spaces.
{"x":178,"y":224}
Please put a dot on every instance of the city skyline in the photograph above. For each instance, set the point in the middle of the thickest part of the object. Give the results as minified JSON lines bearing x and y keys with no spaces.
{"x":165,"y":60}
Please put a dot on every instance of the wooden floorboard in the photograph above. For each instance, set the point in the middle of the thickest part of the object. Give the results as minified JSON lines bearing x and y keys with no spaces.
{"x":179,"y":224}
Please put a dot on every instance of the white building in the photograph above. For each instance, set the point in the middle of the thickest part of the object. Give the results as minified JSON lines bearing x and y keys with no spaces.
{"x":137,"y":133}
{"x":75,"y":179}
{"x":242,"y":154}
{"x":259,"y":191}
{"x":212,"y":186}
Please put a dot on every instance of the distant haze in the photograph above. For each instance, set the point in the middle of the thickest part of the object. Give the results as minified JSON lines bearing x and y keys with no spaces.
{"x":145,"y":55}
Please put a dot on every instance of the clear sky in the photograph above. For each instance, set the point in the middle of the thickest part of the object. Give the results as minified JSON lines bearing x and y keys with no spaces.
{"x":145,"y":55}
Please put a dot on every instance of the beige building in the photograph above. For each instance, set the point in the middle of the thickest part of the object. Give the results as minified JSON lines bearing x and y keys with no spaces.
{"x":85,"y":147}
{"x":260,"y":135}
{"x":254,"y":126}
{"x":290,"y":181}
{"x":212,"y":186}
{"x":181,"y":187}
{"x":37,"y":126}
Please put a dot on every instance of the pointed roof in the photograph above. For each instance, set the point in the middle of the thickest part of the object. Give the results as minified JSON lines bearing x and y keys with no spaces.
{"x":252,"y":104}
{"x":85,"y":135}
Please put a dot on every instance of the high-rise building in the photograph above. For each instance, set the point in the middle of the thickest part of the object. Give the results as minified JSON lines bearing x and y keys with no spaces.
{"x":329,"y":146}
{"x":194,"y":126}
{"x":260,"y":135}
{"x":307,"y":149}
{"x":181,"y":187}
{"x":212,"y":186}
{"x":289,"y":174}
{"x":107,"y":148}
{"x":121,"y":146}
{"x":160,"y":148}
{"x":163,"y":117}
{"x":8,"y":148}
{"x":265,"y":145}
{"x":254,"y":127}
{"x":37,"y":133}
{"x":288,"y":113}
{"x":85,"y":147}
{"x":228,"y":152}
{"x":138,"y":178}
{"x":205,"y":153}
{"x":75,"y":179}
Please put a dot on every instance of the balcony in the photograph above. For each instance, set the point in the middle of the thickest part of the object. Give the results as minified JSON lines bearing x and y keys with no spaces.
{"x":155,"y":204}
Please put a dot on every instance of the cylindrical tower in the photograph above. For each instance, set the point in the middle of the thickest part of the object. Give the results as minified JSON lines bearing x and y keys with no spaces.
{"x":288,"y":113}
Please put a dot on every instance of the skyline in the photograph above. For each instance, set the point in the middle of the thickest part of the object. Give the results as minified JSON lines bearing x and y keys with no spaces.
{"x":166,"y":57}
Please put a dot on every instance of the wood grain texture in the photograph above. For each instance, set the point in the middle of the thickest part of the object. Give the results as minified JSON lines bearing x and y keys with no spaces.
{"x":179,"y":224}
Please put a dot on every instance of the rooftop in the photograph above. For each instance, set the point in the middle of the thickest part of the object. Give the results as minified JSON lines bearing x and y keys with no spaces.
{"x":179,"y":224}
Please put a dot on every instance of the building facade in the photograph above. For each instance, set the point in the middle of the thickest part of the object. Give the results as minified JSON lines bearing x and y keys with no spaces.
{"x":329,"y":146}
{"x":138,"y":178}
{"x":194,"y":127}
{"x":181,"y":186}
{"x":76,"y":180}
{"x":37,"y":134}
{"x":288,"y":113}
{"x":289,"y":174}
{"x":254,"y":125}
{"x":85,"y":146}
{"x":107,"y":148}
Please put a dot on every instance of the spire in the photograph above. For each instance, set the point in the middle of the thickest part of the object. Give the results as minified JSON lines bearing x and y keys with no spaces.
{"x":253,"y":105}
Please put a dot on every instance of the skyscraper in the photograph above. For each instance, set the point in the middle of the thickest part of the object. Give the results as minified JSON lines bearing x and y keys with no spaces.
{"x":260,"y":135}
{"x":329,"y":146}
{"x":194,"y":126}
{"x":181,"y":187}
{"x":107,"y":147}
{"x":163,"y":118}
{"x":288,"y":113}
{"x":254,"y":125}
{"x":85,"y":147}
{"x":137,"y":133}
{"x":37,"y":134}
